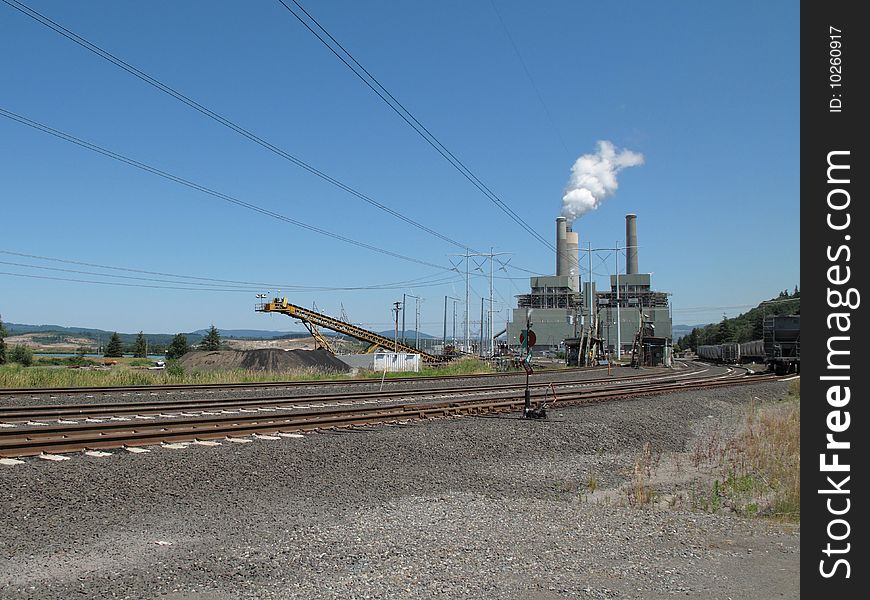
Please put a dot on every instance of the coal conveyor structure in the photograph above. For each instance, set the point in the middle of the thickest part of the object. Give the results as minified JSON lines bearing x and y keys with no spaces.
{"x":313,"y":321}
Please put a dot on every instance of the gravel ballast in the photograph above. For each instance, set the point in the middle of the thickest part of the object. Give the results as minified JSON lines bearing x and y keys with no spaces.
{"x":487,"y":507}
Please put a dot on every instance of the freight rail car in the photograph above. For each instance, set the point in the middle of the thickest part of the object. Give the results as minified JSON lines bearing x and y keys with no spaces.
{"x":752,"y":351}
{"x":780,"y":349}
{"x":782,"y":343}
{"x":728,"y":353}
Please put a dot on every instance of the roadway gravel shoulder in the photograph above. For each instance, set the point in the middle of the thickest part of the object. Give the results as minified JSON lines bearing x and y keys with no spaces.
{"x":488,"y":507}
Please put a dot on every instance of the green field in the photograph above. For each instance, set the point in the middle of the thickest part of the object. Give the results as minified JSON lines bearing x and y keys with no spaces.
{"x":128,"y":372}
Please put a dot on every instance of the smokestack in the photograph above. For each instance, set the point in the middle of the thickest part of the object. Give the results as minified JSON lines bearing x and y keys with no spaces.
{"x":631,"y":244}
{"x":561,"y":249}
{"x":573,"y":259}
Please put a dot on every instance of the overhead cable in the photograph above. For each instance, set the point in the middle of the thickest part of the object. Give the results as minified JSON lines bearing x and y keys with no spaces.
{"x":226,"y":197}
{"x":108,"y":56}
{"x":390,"y":100}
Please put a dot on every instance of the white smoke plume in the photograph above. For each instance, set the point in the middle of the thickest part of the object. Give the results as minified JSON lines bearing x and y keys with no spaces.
{"x":593,"y":178}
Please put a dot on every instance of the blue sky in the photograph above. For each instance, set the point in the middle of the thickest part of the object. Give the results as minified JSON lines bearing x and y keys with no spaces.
{"x":707,"y":92}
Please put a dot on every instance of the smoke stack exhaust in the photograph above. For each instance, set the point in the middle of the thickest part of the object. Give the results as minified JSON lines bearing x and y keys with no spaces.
{"x":561,"y":246}
{"x":631,"y":244}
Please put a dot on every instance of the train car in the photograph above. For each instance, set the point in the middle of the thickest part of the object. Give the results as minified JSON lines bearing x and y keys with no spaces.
{"x":782,"y":343}
{"x":729,"y":353}
{"x":710,"y":353}
{"x":752,"y":351}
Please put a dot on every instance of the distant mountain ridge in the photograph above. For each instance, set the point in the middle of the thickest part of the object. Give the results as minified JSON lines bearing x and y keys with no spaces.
{"x":679,"y":331}
{"x":162,"y":338}
{"x":410,"y":334}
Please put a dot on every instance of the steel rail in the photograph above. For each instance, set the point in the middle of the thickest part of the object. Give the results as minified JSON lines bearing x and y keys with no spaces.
{"x":35,"y":441}
{"x":269,"y":384}
{"x":13,"y":413}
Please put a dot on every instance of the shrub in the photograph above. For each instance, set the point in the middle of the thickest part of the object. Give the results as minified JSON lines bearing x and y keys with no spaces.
{"x":22,"y":355}
{"x":174,"y":369}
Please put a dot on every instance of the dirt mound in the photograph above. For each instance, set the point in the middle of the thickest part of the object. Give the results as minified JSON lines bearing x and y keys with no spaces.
{"x":271,"y":360}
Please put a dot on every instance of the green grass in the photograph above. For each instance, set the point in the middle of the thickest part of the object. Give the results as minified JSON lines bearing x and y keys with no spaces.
{"x":16,"y":376}
{"x":465,"y":366}
{"x":63,"y":361}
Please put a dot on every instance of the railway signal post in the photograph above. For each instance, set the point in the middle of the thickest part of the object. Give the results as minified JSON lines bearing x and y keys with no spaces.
{"x":528,"y":339}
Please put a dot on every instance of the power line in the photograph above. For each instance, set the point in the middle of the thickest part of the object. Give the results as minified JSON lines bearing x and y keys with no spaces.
{"x":253,"y":207}
{"x":104,"y":54}
{"x":118,"y":283}
{"x":211,"y":282}
{"x":215,"y":280}
{"x":183,"y":285}
{"x":529,"y":76}
{"x":409,"y":118}
{"x":77,"y":39}
{"x":153,"y":170}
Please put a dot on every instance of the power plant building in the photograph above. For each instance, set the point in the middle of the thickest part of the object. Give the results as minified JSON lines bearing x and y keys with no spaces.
{"x":636,"y":300}
{"x":555,"y":301}
{"x":558,"y":307}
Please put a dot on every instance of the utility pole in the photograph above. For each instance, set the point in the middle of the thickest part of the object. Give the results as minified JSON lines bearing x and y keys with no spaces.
{"x":467,"y":345}
{"x":467,"y":308}
{"x":396,"y":309}
{"x":481,"y":327}
{"x":444,"y":337}
{"x":454,"y":322}
{"x":589,"y":287}
{"x":455,"y":300}
{"x":491,"y":341}
{"x":618,"y":323}
{"x":616,"y":250}
{"x":416,"y":319}
{"x":491,"y":255}
{"x":417,"y":325}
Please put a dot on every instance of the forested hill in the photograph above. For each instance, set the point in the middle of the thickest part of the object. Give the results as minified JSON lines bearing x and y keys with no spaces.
{"x":744,"y":327}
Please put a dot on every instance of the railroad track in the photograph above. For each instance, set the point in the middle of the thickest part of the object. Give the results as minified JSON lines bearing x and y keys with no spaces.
{"x":51,"y":439}
{"x":194,"y":387}
{"x":11,"y":415}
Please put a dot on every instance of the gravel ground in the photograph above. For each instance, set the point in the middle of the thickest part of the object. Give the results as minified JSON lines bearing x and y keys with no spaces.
{"x":489,"y":507}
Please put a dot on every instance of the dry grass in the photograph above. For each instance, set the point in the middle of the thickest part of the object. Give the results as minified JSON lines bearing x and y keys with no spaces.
{"x":771,"y":445}
{"x":638,"y":491}
{"x":758,"y":470}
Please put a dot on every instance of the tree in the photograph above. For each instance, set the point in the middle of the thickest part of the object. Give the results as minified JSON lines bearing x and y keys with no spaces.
{"x":178,"y":348}
{"x":725,"y":332}
{"x":21,"y":354}
{"x":758,"y":326}
{"x":691,"y":341}
{"x":140,"y":348}
{"x":113,"y":348}
{"x":212,"y":340}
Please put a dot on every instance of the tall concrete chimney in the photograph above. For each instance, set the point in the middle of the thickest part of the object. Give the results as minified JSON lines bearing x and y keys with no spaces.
{"x":561,"y":248}
{"x":573,"y":260}
{"x":631,"y":244}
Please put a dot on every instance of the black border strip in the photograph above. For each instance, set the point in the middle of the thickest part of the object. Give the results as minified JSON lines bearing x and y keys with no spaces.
{"x":833,"y":104}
